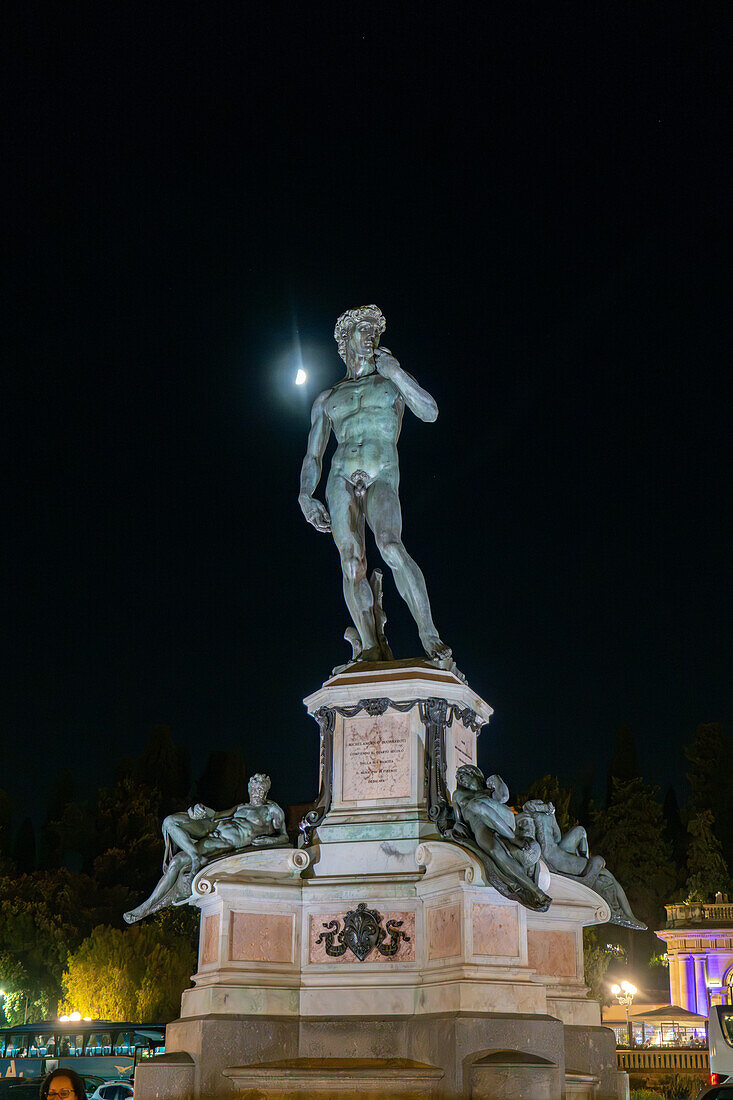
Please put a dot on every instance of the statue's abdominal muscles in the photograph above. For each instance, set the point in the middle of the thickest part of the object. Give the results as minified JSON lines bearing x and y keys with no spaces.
{"x":366,"y":418}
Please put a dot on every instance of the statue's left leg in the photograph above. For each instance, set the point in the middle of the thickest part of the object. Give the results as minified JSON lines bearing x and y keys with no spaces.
{"x":384,"y":516}
{"x":185,"y":831}
{"x":575,"y":842}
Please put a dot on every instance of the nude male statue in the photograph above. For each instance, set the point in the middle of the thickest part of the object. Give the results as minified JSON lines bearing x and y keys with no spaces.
{"x":201,"y":834}
{"x":364,"y":410}
{"x":504,"y":842}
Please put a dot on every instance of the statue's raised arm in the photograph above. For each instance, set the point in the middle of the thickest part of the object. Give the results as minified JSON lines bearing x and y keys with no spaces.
{"x":415,"y":397}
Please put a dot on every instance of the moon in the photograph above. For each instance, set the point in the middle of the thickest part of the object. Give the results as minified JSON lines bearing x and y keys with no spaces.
{"x":301,"y":377}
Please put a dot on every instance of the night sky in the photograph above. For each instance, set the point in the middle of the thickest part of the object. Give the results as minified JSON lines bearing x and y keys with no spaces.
{"x":536,"y":197}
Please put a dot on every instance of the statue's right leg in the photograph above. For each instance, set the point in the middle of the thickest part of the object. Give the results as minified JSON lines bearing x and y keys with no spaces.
{"x":178,"y":866}
{"x":347,"y":527}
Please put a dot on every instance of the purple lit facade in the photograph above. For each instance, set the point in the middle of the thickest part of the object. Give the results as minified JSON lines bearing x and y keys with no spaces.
{"x":699,"y":940}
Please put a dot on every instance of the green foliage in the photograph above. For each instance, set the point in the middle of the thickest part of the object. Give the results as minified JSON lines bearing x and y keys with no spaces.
{"x":181,"y":921}
{"x":548,"y":789}
{"x":707,"y":870}
{"x":630,"y":835}
{"x":597,"y":957}
{"x":659,"y":961}
{"x":22,"y":1007}
{"x":114,"y":839}
{"x":135,"y":974}
{"x":645,"y":1094}
{"x":679,"y":1087}
{"x":128,"y":836}
{"x":42,"y":917}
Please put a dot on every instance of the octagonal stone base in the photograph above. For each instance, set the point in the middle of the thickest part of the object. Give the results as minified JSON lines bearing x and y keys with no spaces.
{"x":461,"y":992}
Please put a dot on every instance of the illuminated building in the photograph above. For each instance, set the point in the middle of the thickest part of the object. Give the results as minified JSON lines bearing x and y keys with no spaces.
{"x":699,"y":940}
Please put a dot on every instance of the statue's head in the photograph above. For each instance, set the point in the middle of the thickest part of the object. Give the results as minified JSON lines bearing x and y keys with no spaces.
{"x":468,"y":775}
{"x":537,"y":806}
{"x":524,"y":827}
{"x":358,"y":330}
{"x":258,"y":787}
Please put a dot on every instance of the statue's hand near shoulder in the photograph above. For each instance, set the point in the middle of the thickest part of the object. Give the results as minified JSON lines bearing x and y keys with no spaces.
{"x":315,"y":512}
{"x":386,"y":363}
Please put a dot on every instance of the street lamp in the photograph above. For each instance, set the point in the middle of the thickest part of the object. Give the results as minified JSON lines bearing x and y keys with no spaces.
{"x":624,"y":994}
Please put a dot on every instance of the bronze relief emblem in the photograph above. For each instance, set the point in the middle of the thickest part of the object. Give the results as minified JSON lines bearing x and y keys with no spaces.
{"x":361,"y":933}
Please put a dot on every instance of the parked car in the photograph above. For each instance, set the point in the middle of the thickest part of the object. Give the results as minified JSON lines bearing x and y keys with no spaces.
{"x":113,"y":1090}
{"x":717,"y":1092}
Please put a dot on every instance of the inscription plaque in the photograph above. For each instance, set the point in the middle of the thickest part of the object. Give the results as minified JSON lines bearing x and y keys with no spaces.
{"x":376,"y":757}
{"x":461,"y":750}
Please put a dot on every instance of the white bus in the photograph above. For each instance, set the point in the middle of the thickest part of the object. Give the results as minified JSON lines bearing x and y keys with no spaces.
{"x":720,"y":1041}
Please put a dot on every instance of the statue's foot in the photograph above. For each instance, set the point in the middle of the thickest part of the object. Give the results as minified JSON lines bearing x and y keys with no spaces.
{"x":131,"y":916}
{"x":434,"y":648}
{"x":374,"y":653}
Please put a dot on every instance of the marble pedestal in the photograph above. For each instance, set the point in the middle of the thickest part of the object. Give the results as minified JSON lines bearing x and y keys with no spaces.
{"x":473,"y":996}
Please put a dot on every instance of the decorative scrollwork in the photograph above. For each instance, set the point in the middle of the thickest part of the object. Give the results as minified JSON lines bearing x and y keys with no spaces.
{"x":361,"y":933}
{"x":434,"y":716}
{"x":326,"y":719}
{"x":468,"y":717}
{"x":374,"y":707}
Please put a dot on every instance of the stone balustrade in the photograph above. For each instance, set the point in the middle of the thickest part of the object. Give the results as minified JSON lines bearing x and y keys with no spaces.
{"x":660,"y":1058}
{"x":715,"y":913}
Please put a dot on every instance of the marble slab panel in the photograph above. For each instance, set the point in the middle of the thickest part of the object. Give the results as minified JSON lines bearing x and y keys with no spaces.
{"x":317,"y":951}
{"x":461,"y":749}
{"x":495,"y":930}
{"x":376,"y":757}
{"x":552,"y":953}
{"x":210,"y":939}
{"x":261,"y":937}
{"x":444,"y":932}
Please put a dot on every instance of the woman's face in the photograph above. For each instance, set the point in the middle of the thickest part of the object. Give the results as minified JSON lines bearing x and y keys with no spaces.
{"x":61,"y":1088}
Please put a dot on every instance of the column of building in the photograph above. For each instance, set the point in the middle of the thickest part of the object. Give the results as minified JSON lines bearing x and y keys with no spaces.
{"x":701,"y":985}
{"x":675,"y":997}
{"x":687,"y":982}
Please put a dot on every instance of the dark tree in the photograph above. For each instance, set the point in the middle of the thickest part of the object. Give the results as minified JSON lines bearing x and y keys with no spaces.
{"x":624,"y":762}
{"x":5,"y":826}
{"x":676,"y":834}
{"x":60,"y":794}
{"x":129,"y":848}
{"x":707,"y":869}
{"x":630,"y":834}
{"x":53,"y":837}
{"x":24,"y":846}
{"x":224,"y":780}
{"x":164,"y":765}
{"x":710,"y":757}
{"x":549,"y":790}
{"x":42,"y":917}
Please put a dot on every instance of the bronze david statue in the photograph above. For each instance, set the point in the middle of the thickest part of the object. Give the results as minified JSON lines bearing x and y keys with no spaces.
{"x":364,"y":411}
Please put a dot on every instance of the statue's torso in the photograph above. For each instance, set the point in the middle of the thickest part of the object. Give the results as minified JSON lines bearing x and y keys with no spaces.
{"x":259,"y":816}
{"x":366,"y":416}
